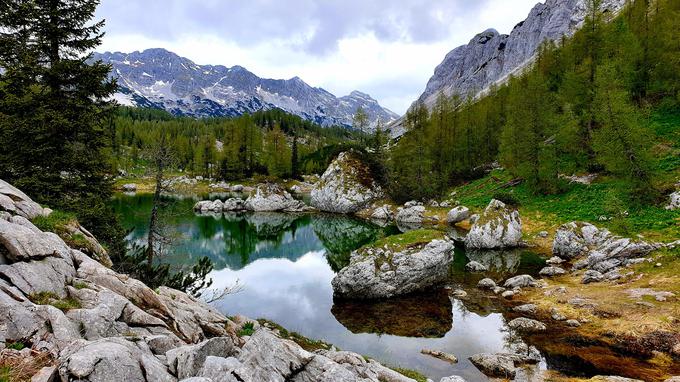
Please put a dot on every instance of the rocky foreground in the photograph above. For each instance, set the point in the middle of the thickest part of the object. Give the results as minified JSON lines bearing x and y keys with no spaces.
{"x":86,"y":322}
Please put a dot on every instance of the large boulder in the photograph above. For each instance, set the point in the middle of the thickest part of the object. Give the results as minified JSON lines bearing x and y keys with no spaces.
{"x":346,"y":187}
{"x":24,"y":242}
{"x":383,"y":273}
{"x":498,"y":227}
{"x":411,"y":214}
{"x":16,"y":202}
{"x":187,"y":361}
{"x":270,"y":198}
{"x":111,"y":359}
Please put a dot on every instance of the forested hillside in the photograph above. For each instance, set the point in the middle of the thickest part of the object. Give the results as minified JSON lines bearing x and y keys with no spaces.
{"x":271,"y":143}
{"x":599,"y":102}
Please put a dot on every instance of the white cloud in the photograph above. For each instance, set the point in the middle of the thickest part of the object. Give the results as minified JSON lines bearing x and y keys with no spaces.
{"x":386,"y":49}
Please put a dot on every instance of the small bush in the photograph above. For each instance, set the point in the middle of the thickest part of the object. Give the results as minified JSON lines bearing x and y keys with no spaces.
{"x":15,"y":346}
{"x":247,"y":330}
{"x":507,"y":198}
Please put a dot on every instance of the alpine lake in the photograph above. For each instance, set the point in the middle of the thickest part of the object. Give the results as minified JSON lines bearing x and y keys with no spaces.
{"x":284,"y":264}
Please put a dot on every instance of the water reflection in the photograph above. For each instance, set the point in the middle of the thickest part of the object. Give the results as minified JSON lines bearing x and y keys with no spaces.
{"x":286,"y":263}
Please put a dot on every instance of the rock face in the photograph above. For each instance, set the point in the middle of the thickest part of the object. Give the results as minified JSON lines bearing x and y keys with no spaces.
{"x":491,"y":58}
{"x":16,"y":202}
{"x":378,"y":273}
{"x":346,"y":187}
{"x":498,"y":227}
{"x":161,"y":79}
{"x":114,"y":328}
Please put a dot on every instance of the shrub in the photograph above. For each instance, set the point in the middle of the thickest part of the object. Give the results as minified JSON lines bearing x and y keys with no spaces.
{"x":247,"y":330}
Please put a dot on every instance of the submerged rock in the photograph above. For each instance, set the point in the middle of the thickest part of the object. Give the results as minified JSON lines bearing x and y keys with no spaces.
{"x":346,"y":187}
{"x":498,"y":227}
{"x":500,"y":365}
{"x":474,"y":266}
{"x":381,"y":273}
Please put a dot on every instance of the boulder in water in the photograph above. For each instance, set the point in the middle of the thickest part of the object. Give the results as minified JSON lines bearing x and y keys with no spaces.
{"x":498,"y":227}
{"x":346,"y":187}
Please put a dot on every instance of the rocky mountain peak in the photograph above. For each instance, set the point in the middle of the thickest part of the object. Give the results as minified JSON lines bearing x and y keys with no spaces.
{"x":162,"y":79}
{"x":491,"y":58}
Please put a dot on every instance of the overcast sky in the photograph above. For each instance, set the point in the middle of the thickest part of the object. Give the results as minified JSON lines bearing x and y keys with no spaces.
{"x":386,"y":48}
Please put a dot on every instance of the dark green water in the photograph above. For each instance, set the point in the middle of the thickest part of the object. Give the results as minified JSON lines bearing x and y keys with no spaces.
{"x":286,"y":264}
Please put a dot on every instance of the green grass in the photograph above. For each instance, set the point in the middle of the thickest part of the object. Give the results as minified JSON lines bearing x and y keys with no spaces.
{"x":410,"y":374}
{"x":50,"y":298}
{"x":578,"y":203}
{"x":55,"y":222}
{"x":247,"y":330}
{"x":305,"y":342}
{"x":15,"y":345}
{"x":406,"y":240}
{"x":5,"y":373}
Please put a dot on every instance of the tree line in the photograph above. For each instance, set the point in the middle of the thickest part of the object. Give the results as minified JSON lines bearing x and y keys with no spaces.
{"x":582,"y":107}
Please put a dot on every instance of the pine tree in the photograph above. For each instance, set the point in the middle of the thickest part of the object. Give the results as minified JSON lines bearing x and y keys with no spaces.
{"x":54,"y":103}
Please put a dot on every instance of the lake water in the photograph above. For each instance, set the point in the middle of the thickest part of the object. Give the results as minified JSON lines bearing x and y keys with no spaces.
{"x":286,"y":263}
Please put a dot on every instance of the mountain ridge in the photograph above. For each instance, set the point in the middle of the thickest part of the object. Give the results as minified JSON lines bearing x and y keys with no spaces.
{"x":490,"y":58}
{"x":162,"y":79}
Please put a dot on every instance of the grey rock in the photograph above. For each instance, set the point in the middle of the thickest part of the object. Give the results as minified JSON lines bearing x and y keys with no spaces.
{"x":573,"y":323}
{"x":498,"y":227}
{"x":674,"y":203}
{"x":50,"y":274}
{"x":552,"y":271}
{"x":527,"y":325}
{"x":378,"y":273}
{"x":22,"y":242}
{"x":500,"y":365}
{"x":555,"y":260}
{"x":508,"y":294}
{"x":453,"y":378}
{"x":187,"y":361}
{"x":343,"y":188}
{"x":219,"y":369}
{"x":526,"y":309}
{"x":474,"y":266}
{"x":592,"y":277}
{"x":110,"y":359}
{"x":16,"y":202}
{"x":521,"y":281}
{"x":268,"y":358}
{"x":413,"y":214}
{"x":130,"y":187}
{"x":271,"y":197}
{"x":556,"y":315}
{"x":382,"y":213}
{"x":486,"y":284}
{"x":498,"y":290}
{"x":457,"y":215}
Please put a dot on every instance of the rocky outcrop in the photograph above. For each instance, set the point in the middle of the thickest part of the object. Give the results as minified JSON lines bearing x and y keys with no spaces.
{"x":271,"y":198}
{"x":99,"y":325}
{"x":16,"y":202}
{"x":383,"y":273}
{"x":498,"y":227}
{"x":598,"y":251}
{"x":346,"y":187}
{"x":412,"y":214}
{"x":383,"y":213}
{"x":491,"y":58}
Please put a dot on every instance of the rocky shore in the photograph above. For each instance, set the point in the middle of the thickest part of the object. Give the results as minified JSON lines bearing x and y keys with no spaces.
{"x":84,"y":321}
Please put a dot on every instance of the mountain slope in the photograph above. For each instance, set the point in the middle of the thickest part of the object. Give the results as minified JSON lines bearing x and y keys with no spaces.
{"x":491,"y":58}
{"x":159,"y":78}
